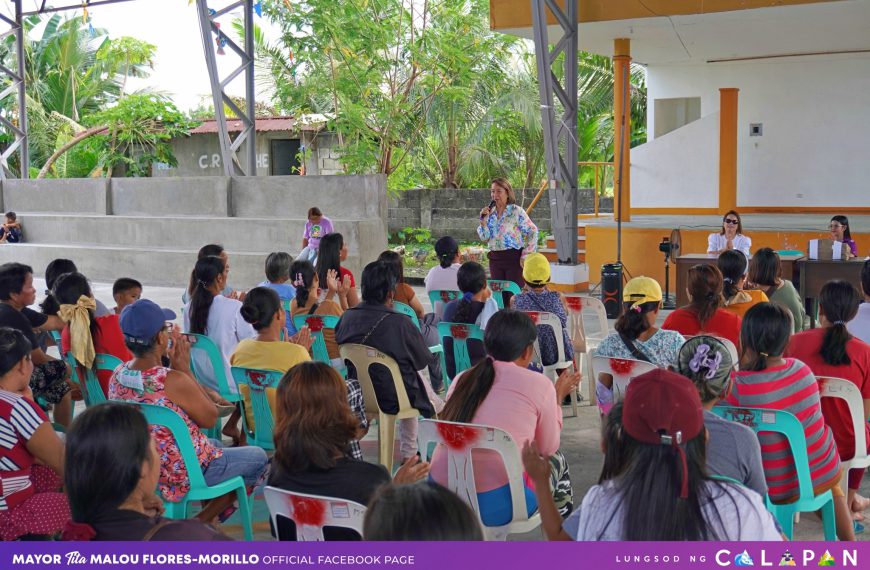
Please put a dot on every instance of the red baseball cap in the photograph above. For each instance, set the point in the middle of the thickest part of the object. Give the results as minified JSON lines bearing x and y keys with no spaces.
{"x":663,"y":407}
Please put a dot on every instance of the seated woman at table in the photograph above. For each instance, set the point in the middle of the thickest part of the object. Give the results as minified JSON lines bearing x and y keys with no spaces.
{"x":840,"y":232}
{"x":738,"y":300}
{"x":765,"y":274}
{"x":703,"y":314}
{"x":730,"y":236}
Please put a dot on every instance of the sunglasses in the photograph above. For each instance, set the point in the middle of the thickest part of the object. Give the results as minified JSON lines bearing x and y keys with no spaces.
{"x":730,"y":221}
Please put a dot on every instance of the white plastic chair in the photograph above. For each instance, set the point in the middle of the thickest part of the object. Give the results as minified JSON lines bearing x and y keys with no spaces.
{"x":585,"y":344}
{"x":310,"y":513}
{"x":458,"y":440}
{"x":843,"y":389}
{"x":544,"y":319}
{"x":622,"y":370}
{"x":362,"y":357}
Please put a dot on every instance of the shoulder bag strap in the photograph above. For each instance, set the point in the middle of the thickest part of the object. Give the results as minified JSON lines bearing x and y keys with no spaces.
{"x":636,"y":352}
{"x":156,"y":528}
{"x":368,"y":334}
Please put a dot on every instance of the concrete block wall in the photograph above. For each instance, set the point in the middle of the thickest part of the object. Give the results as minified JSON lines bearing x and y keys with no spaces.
{"x":151,"y":229}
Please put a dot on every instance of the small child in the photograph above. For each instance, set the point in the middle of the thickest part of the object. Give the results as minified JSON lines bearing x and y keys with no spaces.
{"x":316,"y":227}
{"x":10,"y":232}
{"x":126,"y":291}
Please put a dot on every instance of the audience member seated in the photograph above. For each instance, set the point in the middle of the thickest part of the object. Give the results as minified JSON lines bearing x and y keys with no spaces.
{"x":636,"y":335}
{"x":212,"y":314}
{"x":732,"y":448}
{"x":262,"y":309}
{"x":860,"y":325}
{"x":374,"y":323}
{"x":145,"y":380}
{"x":767,"y":380}
{"x":500,"y":391}
{"x":733,"y":264}
{"x":210,"y":250}
{"x":395,"y":514}
{"x":703,"y":314}
{"x":656,"y":487}
{"x":53,"y":271}
{"x":49,"y":379}
{"x":86,"y":334}
{"x":537,"y":297}
{"x":31,"y":457}
{"x":10,"y":232}
{"x":765,"y":274}
{"x":832,"y":351}
{"x":312,"y":443}
{"x":443,"y":277}
{"x":278,"y":275}
{"x":476,"y":306}
{"x":306,"y":301}
{"x":404,"y":292}
{"x":333,"y":251}
{"x":125,"y":291}
{"x":112,"y":439}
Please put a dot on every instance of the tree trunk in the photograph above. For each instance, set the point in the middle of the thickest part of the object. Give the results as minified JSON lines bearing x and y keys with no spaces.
{"x":71,"y":143}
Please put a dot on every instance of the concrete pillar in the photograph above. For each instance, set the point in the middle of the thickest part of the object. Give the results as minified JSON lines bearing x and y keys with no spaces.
{"x":622,"y":128}
{"x":727,"y":149}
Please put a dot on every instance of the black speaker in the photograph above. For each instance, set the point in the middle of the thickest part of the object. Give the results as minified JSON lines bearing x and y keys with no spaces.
{"x":611,"y":289}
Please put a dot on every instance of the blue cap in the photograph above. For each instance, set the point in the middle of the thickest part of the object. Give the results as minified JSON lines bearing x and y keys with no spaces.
{"x":142,"y":320}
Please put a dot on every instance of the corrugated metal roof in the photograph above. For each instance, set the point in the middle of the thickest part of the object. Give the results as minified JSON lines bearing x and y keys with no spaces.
{"x":264,"y":124}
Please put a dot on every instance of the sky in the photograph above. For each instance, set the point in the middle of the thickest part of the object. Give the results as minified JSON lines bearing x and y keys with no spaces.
{"x":171,"y":25}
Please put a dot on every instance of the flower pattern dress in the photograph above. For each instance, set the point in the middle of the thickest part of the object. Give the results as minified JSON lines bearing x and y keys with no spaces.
{"x":512,"y":230}
{"x":663,"y":347}
{"x":174,"y":482}
{"x":548,"y":302}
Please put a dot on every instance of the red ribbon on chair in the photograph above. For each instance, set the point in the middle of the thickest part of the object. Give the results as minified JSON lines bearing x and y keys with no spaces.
{"x":621,"y":366}
{"x":459,"y":331}
{"x":535,"y":316}
{"x":445,"y":297}
{"x":258,"y":379}
{"x":315,"y":324}
{"x":574,"y":303}
{"x":458,"y":437}
{"x":308,"y":511}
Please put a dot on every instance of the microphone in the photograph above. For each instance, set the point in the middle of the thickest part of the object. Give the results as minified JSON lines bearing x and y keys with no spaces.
{"x":491,"y":206}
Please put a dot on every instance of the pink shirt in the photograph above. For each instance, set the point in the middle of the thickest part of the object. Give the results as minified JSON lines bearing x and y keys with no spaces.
{"x":522,"y":403}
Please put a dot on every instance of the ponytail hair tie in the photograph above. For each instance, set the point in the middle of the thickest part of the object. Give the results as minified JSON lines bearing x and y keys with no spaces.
{"x":840,"y":323}
{"x":202,"y":284}
{"x":764,"y":354}
{"x":728,"y":280}
{"x":299,"y":282}
{"x":467,"y":296}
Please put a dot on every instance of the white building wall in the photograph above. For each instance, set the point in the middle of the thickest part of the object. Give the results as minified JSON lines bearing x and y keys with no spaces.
{"x":815,"y":146}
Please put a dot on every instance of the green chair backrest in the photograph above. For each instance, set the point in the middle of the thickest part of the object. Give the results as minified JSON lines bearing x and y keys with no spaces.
{"x":499,"y":287}
{"x":407,"y":310}
{"x":460,"y":333}
{"x":93,"y":391}
{"x":291,"y":329}
{"x":443,"y":296}
{"x":209,"y":349}
{"x":316,"y":324}
{"x":55,"y":336}
{"x":762,"y":420}
{"x":257,"y":382}
{"x":166,"y":417}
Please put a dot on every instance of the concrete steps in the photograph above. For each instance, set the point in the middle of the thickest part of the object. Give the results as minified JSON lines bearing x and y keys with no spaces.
{"x":550,"y":250}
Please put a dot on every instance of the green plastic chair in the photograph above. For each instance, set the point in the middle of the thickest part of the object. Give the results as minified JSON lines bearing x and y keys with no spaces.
{"x":316,"y":324}
{"x":199,"y":490}
{"x":443,"y":296}
{"x":93,"y":392}
{"x":264,"y":422}
{"x":216,"y":359}
{"x":790,"y":252}
{"x":290,"y":329}
{"x":762,"y":420}
{"x":461,"y":333}
{"x":499,"y":288}
{"x":439,"y":349}
{"x":55,"y":336}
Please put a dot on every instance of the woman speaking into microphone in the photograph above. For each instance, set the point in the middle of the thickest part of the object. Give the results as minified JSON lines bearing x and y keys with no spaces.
{"x":508,"y":231}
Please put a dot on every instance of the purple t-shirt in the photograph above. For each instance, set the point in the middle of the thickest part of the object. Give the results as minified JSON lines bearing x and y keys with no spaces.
{"x":313,"y":232}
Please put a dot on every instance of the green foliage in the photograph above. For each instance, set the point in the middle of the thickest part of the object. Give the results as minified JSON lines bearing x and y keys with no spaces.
{"x":127,"y":57}
{"x":419,"y":236}
{"x":140,"y":128}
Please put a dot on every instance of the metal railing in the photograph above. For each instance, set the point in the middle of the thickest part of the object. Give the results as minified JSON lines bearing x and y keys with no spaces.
{"x":598,"y":187}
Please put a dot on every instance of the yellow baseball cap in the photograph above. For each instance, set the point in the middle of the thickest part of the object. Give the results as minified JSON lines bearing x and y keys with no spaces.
{"x":536,"y":269}
{"x":642,"y":290}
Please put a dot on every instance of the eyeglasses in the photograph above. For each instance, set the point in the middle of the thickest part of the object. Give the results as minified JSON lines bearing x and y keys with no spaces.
{"x":835,"y":227}
{"x":730,"y":221}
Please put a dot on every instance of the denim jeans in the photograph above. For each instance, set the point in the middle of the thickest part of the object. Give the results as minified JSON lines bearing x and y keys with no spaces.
{"x":248,"y":462}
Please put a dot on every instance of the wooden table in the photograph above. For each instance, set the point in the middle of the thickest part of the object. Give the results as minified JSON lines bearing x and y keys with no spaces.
{"x":790,"y":270}
{"x":815,"y":273}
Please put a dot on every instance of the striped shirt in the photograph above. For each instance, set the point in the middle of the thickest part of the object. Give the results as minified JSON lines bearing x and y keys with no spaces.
{"x":791,"y":387}
{"x":19,"y":419}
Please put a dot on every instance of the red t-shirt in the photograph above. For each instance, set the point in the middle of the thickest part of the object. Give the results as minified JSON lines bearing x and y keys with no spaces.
{"x":342,"y":272}
{"x":806,"y":346}
{"x":722,"y":324}
{"x":108,"y":339}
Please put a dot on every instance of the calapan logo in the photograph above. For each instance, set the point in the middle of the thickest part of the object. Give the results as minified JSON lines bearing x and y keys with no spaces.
{"x":766,"y":557}
{"x":743,"y":559}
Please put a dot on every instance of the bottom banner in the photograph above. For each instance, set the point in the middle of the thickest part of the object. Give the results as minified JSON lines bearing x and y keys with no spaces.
{"x":430,"y":555}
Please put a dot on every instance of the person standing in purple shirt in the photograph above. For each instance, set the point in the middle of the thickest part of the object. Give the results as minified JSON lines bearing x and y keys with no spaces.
{"x":316,"y":227}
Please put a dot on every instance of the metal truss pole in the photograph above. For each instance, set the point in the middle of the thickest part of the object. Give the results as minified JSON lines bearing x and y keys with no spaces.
{"x":230,"y":147}
{"x":560,"y":133}
{"x":16,"y":85}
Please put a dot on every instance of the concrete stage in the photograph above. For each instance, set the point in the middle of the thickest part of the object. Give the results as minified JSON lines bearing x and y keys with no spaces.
{"x":641,"y":236}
